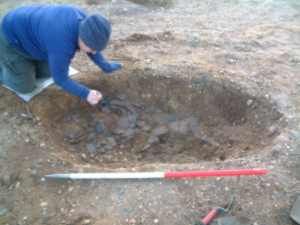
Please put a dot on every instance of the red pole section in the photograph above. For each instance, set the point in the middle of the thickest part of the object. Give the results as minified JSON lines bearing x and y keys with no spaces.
{"x":215,"y":173}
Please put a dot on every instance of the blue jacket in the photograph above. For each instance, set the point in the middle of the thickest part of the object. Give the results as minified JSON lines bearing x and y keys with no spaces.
{"x":50,"y":33}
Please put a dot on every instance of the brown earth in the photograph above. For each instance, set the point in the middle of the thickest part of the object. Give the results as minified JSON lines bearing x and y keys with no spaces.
{"x":204,"y":85}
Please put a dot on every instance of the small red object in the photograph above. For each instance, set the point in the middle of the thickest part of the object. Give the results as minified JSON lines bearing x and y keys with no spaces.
{"x":214,"y":173}
{"x":210,"y":216}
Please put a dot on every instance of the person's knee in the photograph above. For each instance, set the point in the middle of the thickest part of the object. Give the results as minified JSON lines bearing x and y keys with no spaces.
{"x":25,"y":89}
{"x":17,"y":83}
{"x":19,"y":76}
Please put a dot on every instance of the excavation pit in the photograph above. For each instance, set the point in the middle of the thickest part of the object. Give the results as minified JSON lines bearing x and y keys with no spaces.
{"x":150,"y":118}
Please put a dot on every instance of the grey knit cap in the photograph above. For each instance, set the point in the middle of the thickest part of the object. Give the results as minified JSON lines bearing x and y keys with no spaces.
{"x":95,"y":32}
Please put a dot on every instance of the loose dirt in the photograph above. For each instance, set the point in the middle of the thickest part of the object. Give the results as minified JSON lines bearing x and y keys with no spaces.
{"x":204,"y":85}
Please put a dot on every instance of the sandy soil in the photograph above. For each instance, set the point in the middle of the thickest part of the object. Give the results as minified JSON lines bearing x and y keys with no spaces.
{"x":232,"y":65}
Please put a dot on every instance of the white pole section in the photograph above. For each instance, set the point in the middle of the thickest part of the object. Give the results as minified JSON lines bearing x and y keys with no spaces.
{"x":110,"y":176}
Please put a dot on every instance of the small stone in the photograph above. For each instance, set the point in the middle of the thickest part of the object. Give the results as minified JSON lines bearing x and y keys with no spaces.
{"x":99,"y":127}
{"x":86,"y":222}
{"x":70,"y":189}
{"x":17,"y":185}
{"x":249,"y":102}
{"x":159,"y":131}
{"x":272,"y":131}
{"x":44,"y":204}
{"x":111,"y":141}
{"x":152,"y":140}
{"x":155,"y":221}
{"x":91,"y":148}
{"x":74,"y":135}
{"x":83,"y":156}
{"x":24,"y":115}
{"x":33,"y":172}
{"x":146,"y":128}
{"x":42,"y":144}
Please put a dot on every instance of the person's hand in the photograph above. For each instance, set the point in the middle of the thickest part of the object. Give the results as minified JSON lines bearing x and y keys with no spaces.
{"x":94,"y":97}
{"x":111,"y":67}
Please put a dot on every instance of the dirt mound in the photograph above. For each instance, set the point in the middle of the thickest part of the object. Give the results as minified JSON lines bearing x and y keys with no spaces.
{"x":139,"y":37}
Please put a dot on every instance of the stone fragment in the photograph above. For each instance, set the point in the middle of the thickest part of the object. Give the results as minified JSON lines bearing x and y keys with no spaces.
{"x":91,"y":148}
{"x":99,"y":127}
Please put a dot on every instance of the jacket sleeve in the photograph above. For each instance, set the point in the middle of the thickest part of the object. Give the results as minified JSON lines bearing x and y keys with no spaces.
{"x":100,"y":61}
{"x":59,"y":67}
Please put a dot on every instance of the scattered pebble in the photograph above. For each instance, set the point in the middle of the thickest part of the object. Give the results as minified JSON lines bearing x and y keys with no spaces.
{"x":86,"y":221}
{"x":249,"y":102}
{"x":83,"y":156}
{"x":17,"y":185}
{"x":99,"y":127}
{"x":91,"y":148}
{"x":42,"y":145}
{"x":44,"y":204}
{"x":70,"y":189}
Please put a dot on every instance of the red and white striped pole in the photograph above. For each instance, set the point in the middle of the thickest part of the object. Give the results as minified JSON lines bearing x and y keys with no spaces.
{"x":159,"y":175}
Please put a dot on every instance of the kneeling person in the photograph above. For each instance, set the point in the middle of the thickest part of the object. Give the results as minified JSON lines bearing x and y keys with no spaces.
{"x":41,"y":40}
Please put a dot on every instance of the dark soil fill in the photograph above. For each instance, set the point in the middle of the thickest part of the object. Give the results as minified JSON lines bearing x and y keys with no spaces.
{"x":150,"y":119}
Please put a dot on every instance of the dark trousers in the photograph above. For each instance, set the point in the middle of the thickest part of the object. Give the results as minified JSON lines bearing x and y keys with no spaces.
{"x":17,"y":70}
